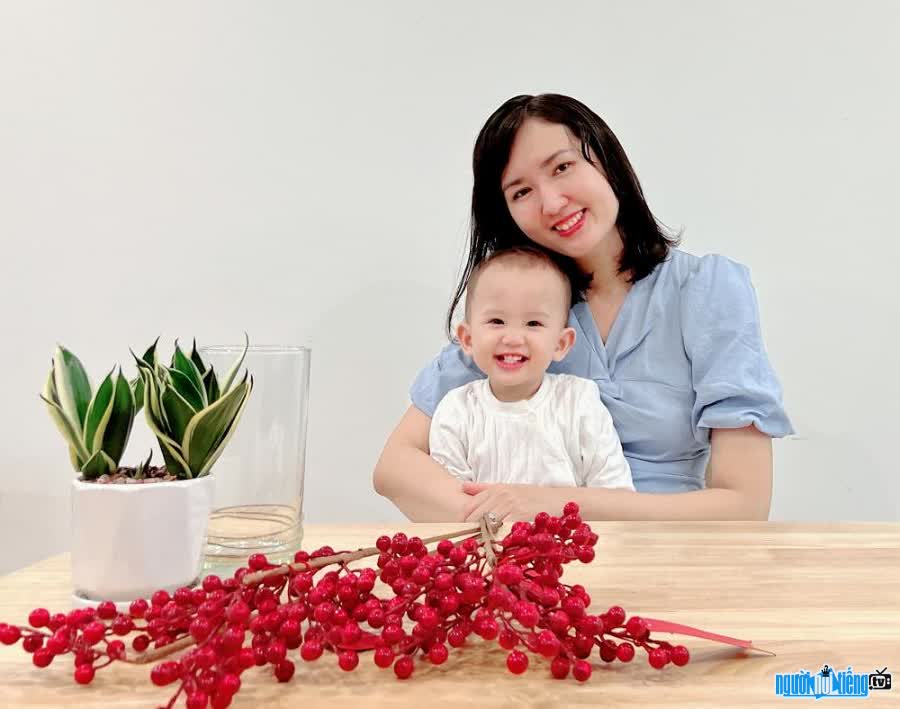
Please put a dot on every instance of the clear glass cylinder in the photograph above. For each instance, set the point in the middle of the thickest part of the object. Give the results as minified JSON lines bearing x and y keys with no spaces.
{"x":258,"y":504}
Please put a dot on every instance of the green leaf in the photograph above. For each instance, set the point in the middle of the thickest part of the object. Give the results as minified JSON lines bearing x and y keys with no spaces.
{"x":186,"y":388}
{"x":118,"y":427}
{"x":137,"y":384}
{"x":97,"y":465}
{"x":141,"y":468}
{"x":232,"y":373}
{"x":211,"y":382}
{"x":137,"y":392}
{"x":175,"y":463}
{"x":171,"y":451}
{"x":73,"y":388}
{"x":209,"y":426}
{"x":184,"y":365}
{"x":178,"y":413}
{"x":77,"y":452}
{"x":197,"y":359}
{"x":151,"y":398}
{"x":150,"y":354}
{"x":98,"y":414}
{"x":220,"y":445}
{"x":74,"y":459}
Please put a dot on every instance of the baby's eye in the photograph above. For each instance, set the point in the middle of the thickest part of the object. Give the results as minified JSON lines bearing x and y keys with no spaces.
{"x":495,"y":321}
{"x":535,"y":323}
{"x":563,"y":167}
{"x":518,"y":194}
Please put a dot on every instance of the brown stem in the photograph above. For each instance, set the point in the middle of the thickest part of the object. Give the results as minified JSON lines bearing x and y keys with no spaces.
{"x":344,"y":558}
{"x":255,"y":578}
{"x":487,"y":536}
{"x":158,"y":653}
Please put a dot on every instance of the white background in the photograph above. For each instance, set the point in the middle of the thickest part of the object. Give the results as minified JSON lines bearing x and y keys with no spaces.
{"x":302,"y":171}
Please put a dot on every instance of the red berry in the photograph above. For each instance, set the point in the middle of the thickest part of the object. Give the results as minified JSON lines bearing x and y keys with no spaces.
{"x":586,"y":555}
{"x":608,"y":650}
{"x":197,"y":700}
{"x":348,"y":660}
{"x":384,"y":656}
{"x":517,"y":662}
{"x":32,"y":643}
{"x":438,"y":654}
{"x":138,"y":608}
{"x":140,"y":643}
{"x":39,"y":617}
{"x":570,"y":508}
{"x":160,"y":598}
{"x":122,"y":625}
{"x":559,"y":668}
{"x":526,"y":613}
{"x":311,"y":650}
{"x":276,"y":651}
{"x":637,"y":628}
{"x":116,"y":650}
{"x":615,"y":617}
{"x":84,"y":674}
{"x":258,"y":562}
{"x":548,"y":643}
{"x":220,"y":700}
{"x":9,"y":634}
{"x":581,"y":670}
{"x":42,"y":657}
{"x":284,"y":670}
{"x":508,"y":640}
{"x":229,"y":684}
{"x":659,"y":658}
{"x":625,"y":652}
{"x":403,"y":667}
{"x":680,"y":655}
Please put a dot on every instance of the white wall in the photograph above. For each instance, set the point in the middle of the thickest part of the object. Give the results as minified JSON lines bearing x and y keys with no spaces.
{"x":302,"y":170}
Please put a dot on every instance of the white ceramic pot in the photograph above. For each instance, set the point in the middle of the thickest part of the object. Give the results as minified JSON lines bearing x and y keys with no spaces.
{"x":128,"y":540}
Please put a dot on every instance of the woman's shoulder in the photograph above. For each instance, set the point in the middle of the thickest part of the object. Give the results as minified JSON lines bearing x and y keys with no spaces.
{"x":684,"y":267}
{"x":704,"y":276}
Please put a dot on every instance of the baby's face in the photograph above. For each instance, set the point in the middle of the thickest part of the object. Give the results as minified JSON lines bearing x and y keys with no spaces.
{"x":516,"y":326}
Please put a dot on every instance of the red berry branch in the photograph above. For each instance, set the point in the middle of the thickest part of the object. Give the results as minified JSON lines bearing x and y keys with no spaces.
{"x":508,"y":591}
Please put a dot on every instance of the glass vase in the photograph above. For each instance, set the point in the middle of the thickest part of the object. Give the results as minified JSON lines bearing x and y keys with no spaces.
{"x":258,"y":504}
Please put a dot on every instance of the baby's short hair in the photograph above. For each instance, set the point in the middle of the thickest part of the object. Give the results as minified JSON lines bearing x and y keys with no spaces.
{"x":526,"y":256}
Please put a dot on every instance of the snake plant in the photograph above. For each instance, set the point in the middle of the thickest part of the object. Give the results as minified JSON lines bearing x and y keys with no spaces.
{"x":95,"y":425}
{"x":192,"y":412}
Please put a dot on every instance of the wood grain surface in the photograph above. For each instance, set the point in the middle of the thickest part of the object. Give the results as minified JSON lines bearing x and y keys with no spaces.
{"x":811,"y":593}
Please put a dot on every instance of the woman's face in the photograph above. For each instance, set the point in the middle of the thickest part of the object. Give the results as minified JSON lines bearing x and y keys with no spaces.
{"x":555,"y":196}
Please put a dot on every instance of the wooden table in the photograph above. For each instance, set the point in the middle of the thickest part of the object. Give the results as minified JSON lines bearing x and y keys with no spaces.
{"x":811,"y":593}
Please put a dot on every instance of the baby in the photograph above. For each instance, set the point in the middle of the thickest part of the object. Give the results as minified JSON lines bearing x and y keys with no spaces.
{"x":522,"y":425}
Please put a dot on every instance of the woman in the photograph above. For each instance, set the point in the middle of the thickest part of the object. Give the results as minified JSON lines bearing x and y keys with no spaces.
{"x":672,"y":340}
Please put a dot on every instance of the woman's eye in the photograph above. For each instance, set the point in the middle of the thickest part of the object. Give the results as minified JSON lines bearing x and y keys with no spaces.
{"x":563,"y":167}
{"x":518,"y":194}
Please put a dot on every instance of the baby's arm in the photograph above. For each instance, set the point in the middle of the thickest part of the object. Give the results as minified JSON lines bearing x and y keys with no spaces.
{"x":448,"y":439}
{"x":602,"y":458}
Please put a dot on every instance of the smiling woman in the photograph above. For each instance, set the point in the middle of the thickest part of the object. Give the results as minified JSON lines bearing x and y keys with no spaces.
{"x":671,"y":341}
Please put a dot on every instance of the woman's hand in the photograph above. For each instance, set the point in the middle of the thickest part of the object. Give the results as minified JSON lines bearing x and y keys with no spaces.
{"x":512,"y":502}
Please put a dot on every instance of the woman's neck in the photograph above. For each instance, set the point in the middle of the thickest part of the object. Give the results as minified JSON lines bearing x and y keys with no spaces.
{"x":603,"y":263}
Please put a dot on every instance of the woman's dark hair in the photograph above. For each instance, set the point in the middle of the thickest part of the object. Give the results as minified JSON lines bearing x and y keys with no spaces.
{"x":646,"y":241}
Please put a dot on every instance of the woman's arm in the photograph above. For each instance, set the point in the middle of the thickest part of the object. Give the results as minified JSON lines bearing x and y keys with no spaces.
{"x":408,"y":476}
{"x":740,"y":488}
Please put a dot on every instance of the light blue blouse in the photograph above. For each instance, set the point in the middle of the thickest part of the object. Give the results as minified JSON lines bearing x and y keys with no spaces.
{"x":684,"y":355}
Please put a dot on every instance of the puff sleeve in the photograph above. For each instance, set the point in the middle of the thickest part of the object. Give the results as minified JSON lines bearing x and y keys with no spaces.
{"x":733,"y":381}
